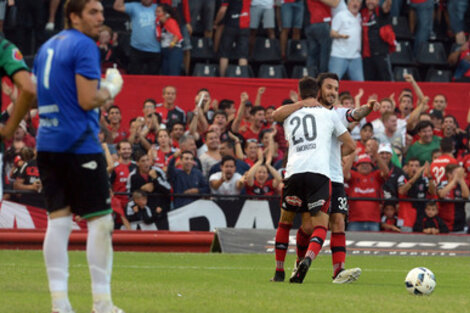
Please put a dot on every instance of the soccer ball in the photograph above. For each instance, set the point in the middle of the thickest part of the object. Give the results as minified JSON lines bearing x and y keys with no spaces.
{"x":420,"y":281}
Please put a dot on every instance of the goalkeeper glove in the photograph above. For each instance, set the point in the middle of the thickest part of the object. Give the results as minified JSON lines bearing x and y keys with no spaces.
{"x":112,"y":82}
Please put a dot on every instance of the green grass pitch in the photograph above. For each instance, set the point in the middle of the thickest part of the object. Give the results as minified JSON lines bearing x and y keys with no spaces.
{"x":164,"y":282}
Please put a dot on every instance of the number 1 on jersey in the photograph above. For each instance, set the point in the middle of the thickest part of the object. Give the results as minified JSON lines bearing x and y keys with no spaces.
{"x":47,"y":70}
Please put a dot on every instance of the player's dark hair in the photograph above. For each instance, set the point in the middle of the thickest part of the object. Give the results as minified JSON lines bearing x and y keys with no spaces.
{"x":308,"y":87}
{"x":447,"y":145}
{"x":424,"y":124}
{"x":257,"y":108}
{"x":287,"y":101}
{"x":226,"y":158}
{"x":323,"y":76}
{"x":74,"y":6}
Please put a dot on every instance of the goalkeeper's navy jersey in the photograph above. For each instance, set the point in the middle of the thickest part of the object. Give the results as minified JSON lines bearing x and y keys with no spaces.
{"x":64,"y":126}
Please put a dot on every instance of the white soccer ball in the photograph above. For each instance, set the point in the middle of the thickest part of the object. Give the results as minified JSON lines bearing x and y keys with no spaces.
{"x":420,"y":281}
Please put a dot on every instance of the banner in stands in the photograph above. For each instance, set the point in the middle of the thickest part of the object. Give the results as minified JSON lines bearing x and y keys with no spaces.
{"x":202,"y":215}
{"x":138,"y":88}
{"x":232,"y":240}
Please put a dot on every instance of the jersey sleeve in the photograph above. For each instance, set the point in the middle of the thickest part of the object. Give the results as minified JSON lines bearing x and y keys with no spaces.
{"x":87,"y":59}
{"x":337,"y":21}
{"x":130,"y":8}
{"x":339,"y":128}
{"x":11,"y":59}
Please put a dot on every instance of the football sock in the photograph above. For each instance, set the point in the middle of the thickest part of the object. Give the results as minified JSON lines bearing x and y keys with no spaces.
{"x":316,"y":242}
{"x":338,"y":251}
{"x":56,"y":259}
{"x":302,"y":240}
{"x":99,"y":252}
{"x":282,"y":244}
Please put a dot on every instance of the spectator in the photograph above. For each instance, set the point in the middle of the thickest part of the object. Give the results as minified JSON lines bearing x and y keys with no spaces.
{"x":121,"y":171}
{"x":390,"y":220}
{"x":256,"y":124}
{"x":424,"y":11}
{"x":461,"y":58}
{"x":365,"y":182}
{"x":212,"y":156}
{"x":346,"y":31}
{"x":386,"y":105}
{"x":227,"y":148}
{"x":414,"y":184}
{"x":119,"y":216}
{"x":170,"y":38}
{"x":176,"y":132}
{"x":187,"y":143}
{"x":367,"y":131}
{"x":392,"y":135}
{"x":271,"y":148}
{"x":431,"y":223}
{"x":318,"y":33}
{"x":438,"y":165}
{"x":145,"y":56}
{"x":118,"y":131}
{"x":151,"y":180}
{"x":137,"y":135}
{"x":228,"y":106}
{"x":456,"y":10}
{"x":292,"y":16}
{"x":257,"y":180}
{"x":111,"y":53}
{"x":227,"y":181}
{"x":188,"y":180}
{"x":261,"y":10}
{"x":390,"y":187}
{"x":251,"y":152}
{"x":427,"y":143}
{"x":377,"y":36}
{"x":138,"y":211}
{"x":235,"y":16}
{"x":28,"y":179}
{"x":439,"y":103}
{"x":21,"y":138}
{"x":53,"y":6}
{"x":450,"y":130}
{"x":454,"y":188}
{"x":161,"y":153}
{"x":203,"y":11}
{"x":437,"y":119}
{"x":168,"y":110}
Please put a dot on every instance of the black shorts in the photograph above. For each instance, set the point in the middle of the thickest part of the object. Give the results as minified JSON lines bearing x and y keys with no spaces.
{"x":76,"y":180}
{"x":233,"y":35}
{"x":306,"y":192}
{"x":339,"y":199}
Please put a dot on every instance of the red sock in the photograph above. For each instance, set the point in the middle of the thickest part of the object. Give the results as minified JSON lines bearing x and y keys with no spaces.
{"x":303,"y":240}
{"x":338,"y":251}
{"x":282,"y":244}
{"x":316,"y":242}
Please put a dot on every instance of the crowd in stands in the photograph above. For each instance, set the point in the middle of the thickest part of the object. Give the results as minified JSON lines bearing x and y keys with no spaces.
{"x":166,"y":158}
{"x":358,"y":40}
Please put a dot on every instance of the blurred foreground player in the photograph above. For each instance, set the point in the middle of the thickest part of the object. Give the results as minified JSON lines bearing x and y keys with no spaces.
{"x":12,"y":65}
{"x":70,"y":159}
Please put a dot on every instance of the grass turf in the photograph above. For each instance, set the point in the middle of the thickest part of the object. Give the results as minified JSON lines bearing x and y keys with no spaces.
{"x":163,"y":282}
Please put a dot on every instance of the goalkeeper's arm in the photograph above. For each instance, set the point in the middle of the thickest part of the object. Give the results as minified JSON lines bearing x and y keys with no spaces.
{"x":90,"y":97}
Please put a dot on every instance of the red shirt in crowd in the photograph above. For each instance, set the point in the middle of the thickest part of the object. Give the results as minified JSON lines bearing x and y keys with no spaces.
{"x":120,"y":134}
{"x":119,"y":178}
{"x":453,"y":214}
{"x":438,"y":167}
{"x":369,"y":186}
{"x":257,"y":189}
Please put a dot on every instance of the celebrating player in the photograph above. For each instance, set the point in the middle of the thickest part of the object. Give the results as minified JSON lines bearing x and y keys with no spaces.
{"x":309,"y":132}
{"x":328,"y":85}
{"x":70,"y":159}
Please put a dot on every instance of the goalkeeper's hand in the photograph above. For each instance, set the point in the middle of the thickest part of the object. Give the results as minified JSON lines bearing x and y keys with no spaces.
{"x":112,"y":82}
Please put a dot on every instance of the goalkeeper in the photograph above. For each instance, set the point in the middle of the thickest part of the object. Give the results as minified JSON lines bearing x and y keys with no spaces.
{"x":70,"y":159}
